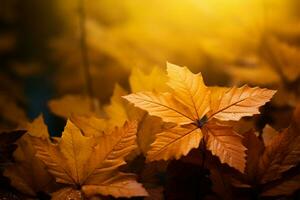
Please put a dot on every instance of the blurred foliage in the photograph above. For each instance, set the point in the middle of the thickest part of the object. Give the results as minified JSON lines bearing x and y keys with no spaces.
{"x":233,"y":42}
{"x":206,"y":35}
{"x":227,"y":41}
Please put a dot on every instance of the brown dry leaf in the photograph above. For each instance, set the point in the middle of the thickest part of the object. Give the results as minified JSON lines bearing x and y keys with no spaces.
{"x":7,"y":144}
{"x":190,"y":105}
{"x":283,"y":152}
{"x":266,"y":164}
{"x":74,"y":105}
{"x":28,"y":174}
{"x":91,"y":162}
{"x":287,"y":187}
{"x":255,"y":148}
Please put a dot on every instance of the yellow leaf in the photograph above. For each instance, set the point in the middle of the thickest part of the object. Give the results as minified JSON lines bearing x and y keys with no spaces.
{"x":74,"y":104}
{"x":110,"y":150}
{"x":116,"y":110}
{"x":65,"y":160}
{"x":119,"y":111}
{"x":162,"y":105}
{"x":236,"y":103}
{"x":187,"y":106}
{"x":225,"y":143}
{"x":154,"y":81}
{"x":91,"y":161}
{"x":38,"y":128}
{"x":189,"y":89}
{"x":91,"y":125}
{"x":174,"y":143}
{"x":149,"y":126}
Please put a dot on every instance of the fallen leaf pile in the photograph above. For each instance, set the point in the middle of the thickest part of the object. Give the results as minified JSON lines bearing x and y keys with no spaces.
{"x":82,"y":164}
{"x":142,"y":144}
{"x":273,"y":163}
{"x":90,"y":110}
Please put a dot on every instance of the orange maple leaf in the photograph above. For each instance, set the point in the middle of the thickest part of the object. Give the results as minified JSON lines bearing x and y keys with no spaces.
{"x":194,"y":109}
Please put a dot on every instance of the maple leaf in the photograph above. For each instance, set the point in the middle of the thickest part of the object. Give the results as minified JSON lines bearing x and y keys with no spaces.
{"x":27,"y":173}
{"x":235,"y":103}
{"x":226,"y":143}
{"x":154,"y":81}
{"x":148,"y":125}
{"x":90,"y":164}
{"x":91,"y":125}
{"x":74,"y":105}
{"x":118,"y":111}
{"x":169,"y":142}
{"x":191,"y":106}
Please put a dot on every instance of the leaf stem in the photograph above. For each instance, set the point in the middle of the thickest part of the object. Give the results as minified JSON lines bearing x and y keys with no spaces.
{"x":203,"y":149}
{"x":84,"y":52}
